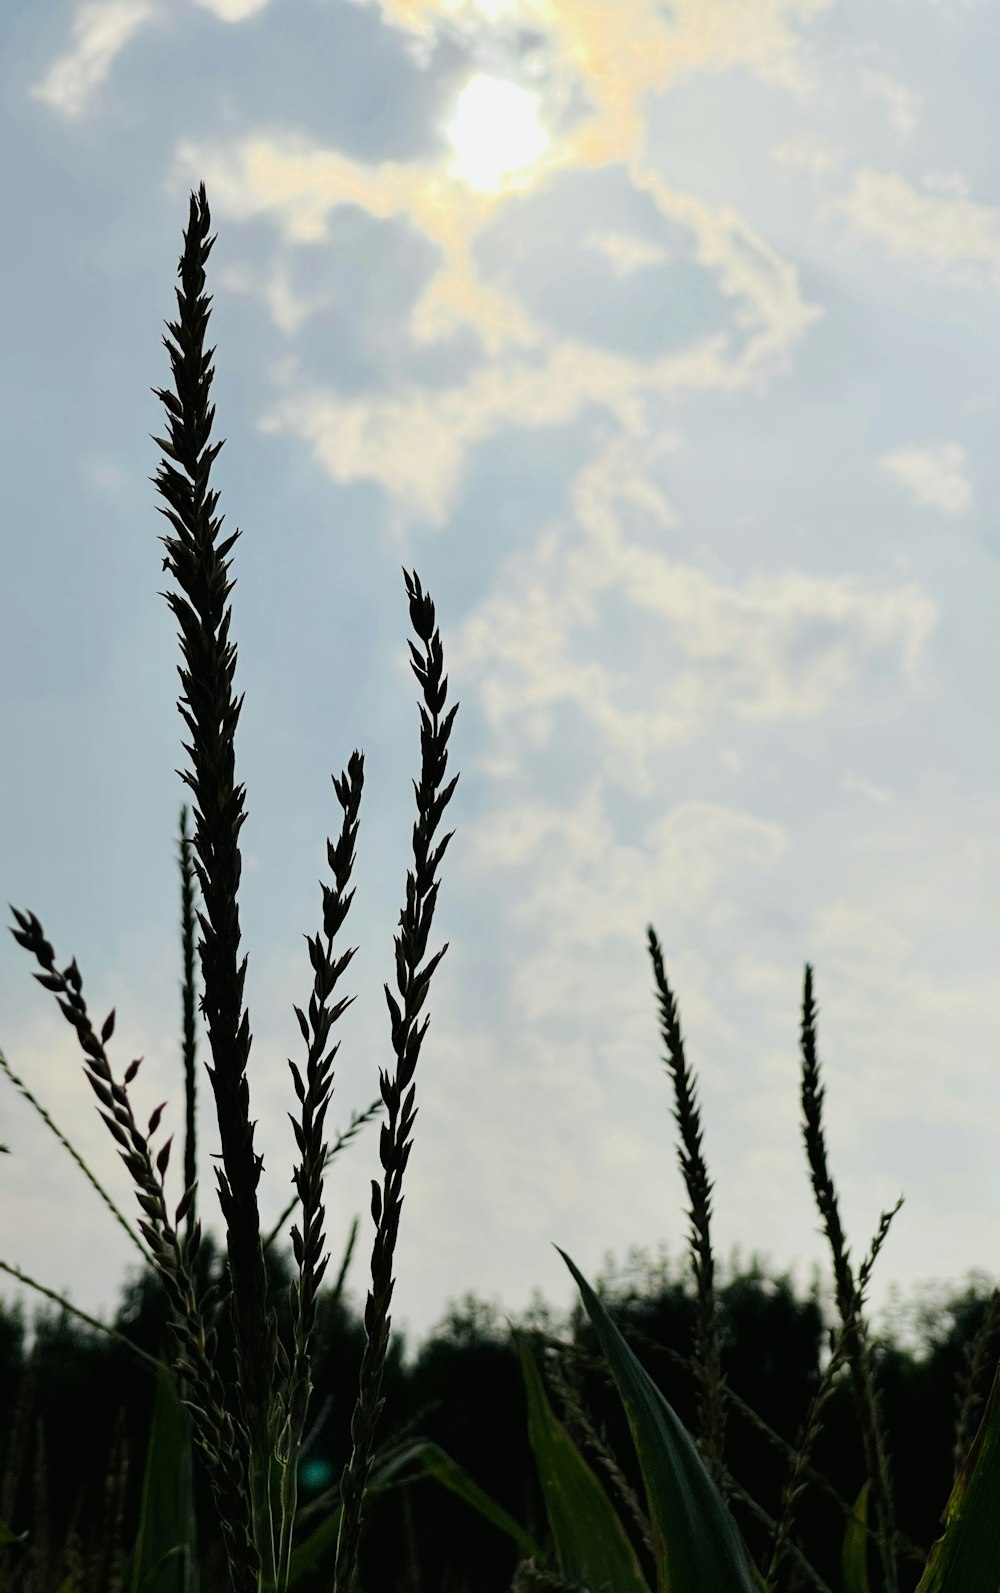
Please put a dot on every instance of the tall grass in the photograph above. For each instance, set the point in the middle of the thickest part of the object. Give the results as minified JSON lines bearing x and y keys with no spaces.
{"x":251,"y":1429}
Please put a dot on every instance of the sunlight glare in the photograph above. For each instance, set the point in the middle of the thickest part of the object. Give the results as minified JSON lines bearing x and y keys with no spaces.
{"x":494,"y":132}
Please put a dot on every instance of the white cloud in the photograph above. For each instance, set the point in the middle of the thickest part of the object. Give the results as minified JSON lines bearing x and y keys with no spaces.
{"x":413,"y":441}
{"x":813,"y":156}
{"x":232,"y":10}
{"x":901,"y":103}
{"x":776,"y":649}
{"x":934,"y":475}
{"x":946,"y":182}
{"x":919,"y":226}
{"x":627,"y":254}
{"x":875,"y":793}
{"x":101,"y":30}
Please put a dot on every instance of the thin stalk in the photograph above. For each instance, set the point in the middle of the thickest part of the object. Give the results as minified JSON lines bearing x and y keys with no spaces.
{"x":211,"y":714}
{"x":342,"y":1139}
{"x":189,"y":1040}
{"x":122,"y":1221}
{"x":708,"y":1356}
{"x":413,"y":984}
{"x":173,"y":1259}
{"x":74,"y":1310}
{"x":314,"y":1097}
{"x":848,"y":1300}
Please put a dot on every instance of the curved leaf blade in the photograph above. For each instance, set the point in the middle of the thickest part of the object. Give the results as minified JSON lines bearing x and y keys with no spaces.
{"x":967,"y":1556}
{"x":854,"y":1555}
{"x":591,"y":1544}
{"x":163,"y":1558}
{"x":313,"y":1553}
{"x":696,"y":1542}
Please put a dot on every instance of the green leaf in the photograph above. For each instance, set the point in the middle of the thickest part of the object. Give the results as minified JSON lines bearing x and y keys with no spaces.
{"x":696,"y":1542}
{"x":967,"y":1557}
{"x":591,"y":1544}
{"x":163,"y":1558}
{"x":317,"y":1549}
{"x":6,"y":1536}
{"x":854,"y":1555}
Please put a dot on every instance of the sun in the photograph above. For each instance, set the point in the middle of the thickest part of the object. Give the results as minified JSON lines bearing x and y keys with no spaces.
{"x":495,"y":133}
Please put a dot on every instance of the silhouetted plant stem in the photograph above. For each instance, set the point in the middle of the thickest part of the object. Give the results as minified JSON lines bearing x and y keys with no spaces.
{"x":848,"y":1298}
{"x":413,"y":984}
{"x":708,"y":1354}
{"x":211,"y":714}
{"x":189,"y":1040}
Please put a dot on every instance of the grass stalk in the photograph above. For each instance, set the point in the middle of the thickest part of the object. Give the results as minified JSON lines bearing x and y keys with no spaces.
{"x":866,"y":1399}
{"x":973,"y":1387}
{"x":412,"y":983}
{"x":188,"y":1041}
{"x":173,"y":1259}
{"x":708,"y":1354}
{"x":200,"y":568}
{"x":122,"y":1221}
{"x":251,"y":1431}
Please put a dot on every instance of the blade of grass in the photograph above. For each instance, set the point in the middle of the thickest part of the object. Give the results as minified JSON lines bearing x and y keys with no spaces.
{"x":592,"y":1546}
{"x":696,"y":1543}
{"x":163,"y":1555}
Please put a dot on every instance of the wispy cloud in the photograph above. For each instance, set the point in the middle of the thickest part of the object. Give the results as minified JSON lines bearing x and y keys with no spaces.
{"x":414,"y":442}
{"x":920,"y":226}
{"x":901,"y":103}
{"x":766,"y":650}
{"x":933,"y":475}
{"x":101,"y":30}
{"x":813,"y":156}
{"x":626,"y":254}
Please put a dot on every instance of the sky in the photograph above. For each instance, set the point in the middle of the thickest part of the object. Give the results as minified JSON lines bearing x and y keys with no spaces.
{"x":661,"y":341}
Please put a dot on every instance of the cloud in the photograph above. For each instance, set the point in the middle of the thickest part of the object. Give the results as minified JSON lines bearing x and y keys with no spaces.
{"x":619,"y":50}
{"x":414,"y":442}
{"x":101,"y":30}
{"x":233,"y":10}
{"x":932,"y":475}
{"x":773,"y":649}
{"x":813,"y":156}
{"x":918,"y":226}
{"x":901,"y":103}
{"x":626,"y":254}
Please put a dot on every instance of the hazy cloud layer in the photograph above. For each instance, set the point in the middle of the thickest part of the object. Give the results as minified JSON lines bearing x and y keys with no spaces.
{"x":662,"y":343}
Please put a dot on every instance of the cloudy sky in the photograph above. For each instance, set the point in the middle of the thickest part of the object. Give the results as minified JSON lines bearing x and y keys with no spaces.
{"x":662,"y":342}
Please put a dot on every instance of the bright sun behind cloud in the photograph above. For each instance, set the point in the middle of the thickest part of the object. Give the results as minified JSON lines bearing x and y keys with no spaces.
{"x":495,"y":132}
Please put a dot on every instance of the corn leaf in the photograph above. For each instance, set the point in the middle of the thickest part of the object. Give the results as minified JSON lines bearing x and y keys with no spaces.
{"x":591,"y":1544}
{"x":967,"y":1557}
{"x":696,"y":1543}
{"x":163,"y":1557}
{"x":314,"y":1553}
{"x":854,"y":1555}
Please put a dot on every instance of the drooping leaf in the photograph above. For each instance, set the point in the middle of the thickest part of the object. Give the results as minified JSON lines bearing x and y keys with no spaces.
{"x":318,"y":1548}
{"x":163,"y":1558}
{"x":696,"y":1542}
{"x":591,"y":1544}
{"x":854,"y":1555}
{"x":967,"y":1557}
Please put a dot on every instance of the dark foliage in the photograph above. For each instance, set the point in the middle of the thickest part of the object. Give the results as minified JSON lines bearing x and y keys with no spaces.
{"x":465,"y":1393}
